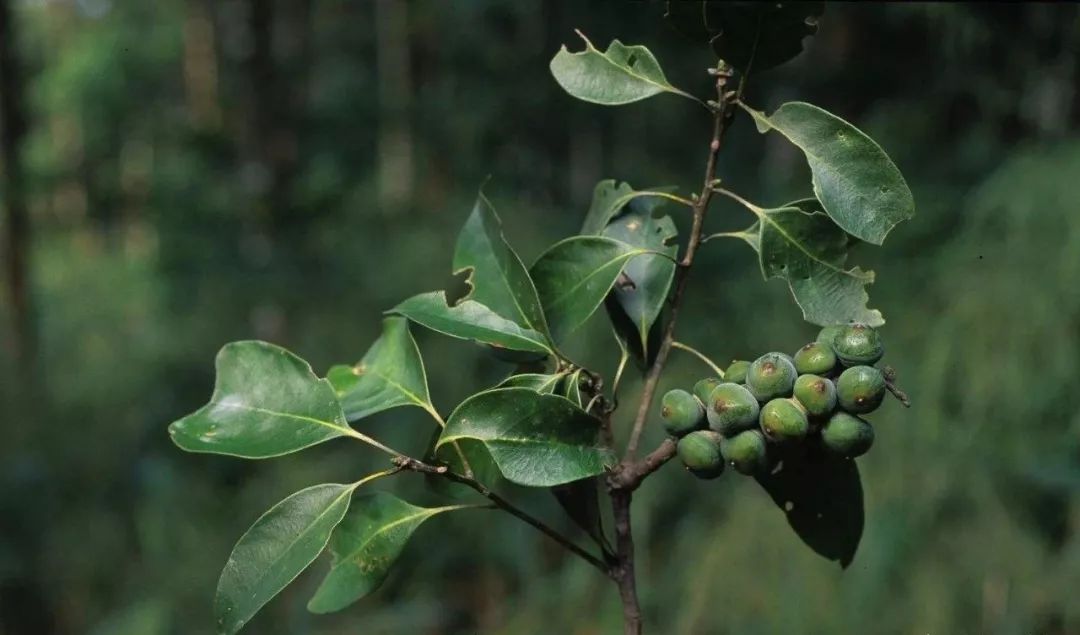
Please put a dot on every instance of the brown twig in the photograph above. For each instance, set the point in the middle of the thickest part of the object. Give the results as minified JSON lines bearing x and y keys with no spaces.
{"x":414,"y":465}
{"x":628,"y":475}
{"x":890,"y":383}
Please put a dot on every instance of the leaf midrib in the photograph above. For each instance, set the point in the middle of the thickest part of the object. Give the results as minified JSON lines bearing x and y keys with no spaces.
{"x":287,"y":415}
{"x":558,"y":301}
{"x":665,"y":87}
{"x":423,"y":514}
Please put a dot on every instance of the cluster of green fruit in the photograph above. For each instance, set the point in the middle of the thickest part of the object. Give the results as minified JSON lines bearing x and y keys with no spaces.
{"x":815,"y":396}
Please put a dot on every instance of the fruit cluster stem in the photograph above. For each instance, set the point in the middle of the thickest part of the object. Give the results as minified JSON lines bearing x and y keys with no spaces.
{"x":630,"y":472}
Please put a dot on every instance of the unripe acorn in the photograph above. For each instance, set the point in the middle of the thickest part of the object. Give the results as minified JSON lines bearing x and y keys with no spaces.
{"x":700,"y":452}
{"x":860,"y":389}
{"x":771,"y":376}
{"x":816,"y":394}
{"x":858,"y":344}
{"x":784,"y":420}
{"x":704,"y":388}
{"x":746,"y":452}
{"x":731,"y":408}
{"x":815,"y":358}
{"x":682,"y":413}
{"x":847,"y":435}
{"x":736,"y":372}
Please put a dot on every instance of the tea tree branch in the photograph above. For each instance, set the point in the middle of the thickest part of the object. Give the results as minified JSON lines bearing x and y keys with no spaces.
{"x":414,"y":465}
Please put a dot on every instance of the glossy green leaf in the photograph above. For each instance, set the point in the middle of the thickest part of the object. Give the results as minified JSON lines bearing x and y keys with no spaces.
{"x":801,"y":245}
{"x":573,"y":276}
{"x":391,"y":374}
{"x":540,"y":382}
{"x":497,"y":276}
{"x":365,"y":545}
{"x":822,"y":499}
{"x":571,"y":389}
{"x":620,"y":75}
{"x":753,"y":36}
{"x":609,"y":199}
{"x":266,"y":402}
{"x":643,"y":289}
{"x":536,"y":440}
{"x":276,"y":549}
{"x":857,"y":183}
{"x":470,"y":320}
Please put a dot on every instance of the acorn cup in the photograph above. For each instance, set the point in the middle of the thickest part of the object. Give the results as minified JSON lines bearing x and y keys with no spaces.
{"x":682,"y":413}
{"x":858,"y":344}
{"x":731,"y":409}
{"x":770,"y":376}
{"x":700,"y":452}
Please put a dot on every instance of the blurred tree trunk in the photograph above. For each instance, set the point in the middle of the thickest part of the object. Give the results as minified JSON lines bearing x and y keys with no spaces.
{"x":276,"y":100}
{"x":201,"y":66}
{"x":12,"y":193}
{"x":395,"y":142}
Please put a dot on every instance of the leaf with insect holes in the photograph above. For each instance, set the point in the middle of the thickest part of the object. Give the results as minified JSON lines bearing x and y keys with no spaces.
{"x":620,"y":75}
{"x":390,"y":375}
{"x":857,"y":183}
{"x":267,"y":402}
{"x":800,"y":244}
{"x":365,"y":545}
{"x":573,"y":276}
{"x":536,"y":440}
{"x":748,"y":35}
{"x":472,"y":321}
{"x":497,"y":277}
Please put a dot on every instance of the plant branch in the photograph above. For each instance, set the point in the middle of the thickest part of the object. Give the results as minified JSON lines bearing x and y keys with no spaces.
{"x":414,"y":465}
{"x":628,"y":475}
{"x":890,"y":384}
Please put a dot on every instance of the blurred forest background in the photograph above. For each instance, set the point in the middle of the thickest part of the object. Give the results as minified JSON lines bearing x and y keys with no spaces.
{"x":181,"y":173}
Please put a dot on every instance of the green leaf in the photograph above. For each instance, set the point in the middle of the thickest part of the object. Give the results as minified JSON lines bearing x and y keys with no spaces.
{"x":609,"y":197}
{"x":858,"y":185}
{"x":498,"y":278}
{"x":620,"y":75}
{"x":800,"y":244}
{"x":276,"y":549}
{"x":753,"y":36}
{"x":365,"y":545}
{"x":470,"y":320}
{"x":391,"y":374}
{"x":573,"y":276}
{"x":267,"y":402}
{"x":536,"y":440}
{"x":571,"y":389}
{"x":647,"y":279}
{"x":581,"y":502}
{"x":540,"y":382}
{"x":822,"y":498}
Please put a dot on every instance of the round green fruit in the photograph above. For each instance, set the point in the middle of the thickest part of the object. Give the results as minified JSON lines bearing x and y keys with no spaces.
{"x":771,"y":376}
{"x":736,"y":372}
{"x":815,"y":359}
{"x":847,"y":435}
{"x":682,"y":413}
{"x":816,"y":394}
{"x":704,"y":388}
{"x":700,"y":453}
{"x":858,"y":344}
{"x":860,"y":389}
{"x":746,"y":452}
{"x":784,"y":420}
{"x":731,"y":408}
{"x":829,"y":333}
